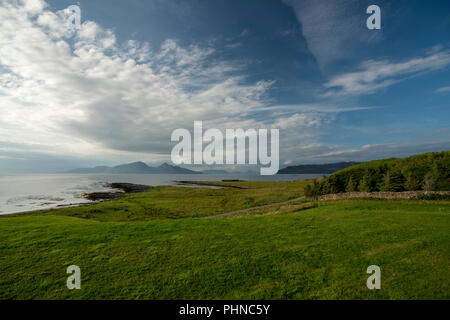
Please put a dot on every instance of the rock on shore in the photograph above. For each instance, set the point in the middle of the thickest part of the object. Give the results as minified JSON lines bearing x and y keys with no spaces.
{"x":124,"y":187}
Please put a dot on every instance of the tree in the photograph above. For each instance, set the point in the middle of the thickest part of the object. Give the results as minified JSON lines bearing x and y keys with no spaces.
{"x":333,"y":184}
{"x":428,"y":183}
{"x":325,"y":187}
{"x":316,"y":189}
{"x":411,"y":183}
{"x":391,"y":175}
{"x":351,"y":186}
{"x":393,"y":181}
{"x":308,"y":191}
{"x":366,"y":185}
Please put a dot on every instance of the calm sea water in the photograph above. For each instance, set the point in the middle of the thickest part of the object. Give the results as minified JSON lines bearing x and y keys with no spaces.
{"x":19,"y":193}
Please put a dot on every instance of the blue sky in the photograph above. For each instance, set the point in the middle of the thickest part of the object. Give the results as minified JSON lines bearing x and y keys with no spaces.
{"x":113,"y":91}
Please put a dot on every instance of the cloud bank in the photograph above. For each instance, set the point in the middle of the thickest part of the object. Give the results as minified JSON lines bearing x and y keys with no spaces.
{"x":83,"y":92}
{"x":375,"y":75}
{"x":334,"y":30}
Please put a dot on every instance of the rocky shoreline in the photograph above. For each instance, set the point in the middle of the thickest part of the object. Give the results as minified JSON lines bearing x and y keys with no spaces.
{"x":123,"y":188}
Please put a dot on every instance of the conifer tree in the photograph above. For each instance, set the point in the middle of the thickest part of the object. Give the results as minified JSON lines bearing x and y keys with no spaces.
{"x":411,"y":183}
{"x":428,"y":183}
{"x":393,"y":181}
{"x":365,"y":185}
{"x":350,"y":185}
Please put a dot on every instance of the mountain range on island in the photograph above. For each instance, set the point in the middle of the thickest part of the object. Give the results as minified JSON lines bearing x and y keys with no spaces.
{"x":136,"y":167}
{"x":327,"y":168}
{"x":215,"y":171}
{"x":142,"y":168}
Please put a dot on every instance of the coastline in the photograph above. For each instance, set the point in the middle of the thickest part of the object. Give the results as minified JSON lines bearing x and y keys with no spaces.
{"x":95,"y":197}
{"x":112,"y":195}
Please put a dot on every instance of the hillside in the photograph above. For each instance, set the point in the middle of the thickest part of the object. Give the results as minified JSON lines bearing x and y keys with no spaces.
{"x":428,"y":171}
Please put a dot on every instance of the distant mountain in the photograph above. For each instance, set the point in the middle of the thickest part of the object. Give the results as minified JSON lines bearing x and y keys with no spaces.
{"x":215,"y":172}
{"x":316,"y":168}
{"x":167,"y":168}
{"x":99,"y":169}
{"x":135,"y":167}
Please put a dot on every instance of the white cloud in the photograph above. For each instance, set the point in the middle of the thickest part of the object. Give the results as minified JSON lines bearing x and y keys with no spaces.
{"x":234,"y":45}
{"x":320,"y":153}
{"x":334,"y":30}
{"x":244,"y":33}
{"x":10,"y":158}
{"x":374,"y":75}
{"x":33,"y":6}
{"x":443,"y":89}
{"x":84,"y":94}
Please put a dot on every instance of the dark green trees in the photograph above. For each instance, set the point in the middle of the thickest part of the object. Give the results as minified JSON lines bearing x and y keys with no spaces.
{"x":428,"y":171}
{"x":351,"y":185}
{"x":393,"y":181}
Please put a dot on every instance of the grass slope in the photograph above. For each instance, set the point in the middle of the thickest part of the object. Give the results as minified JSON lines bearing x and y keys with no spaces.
{"x":317,"y":253}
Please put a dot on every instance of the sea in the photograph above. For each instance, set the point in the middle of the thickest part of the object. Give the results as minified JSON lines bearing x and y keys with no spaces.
{"x":29,"y":192}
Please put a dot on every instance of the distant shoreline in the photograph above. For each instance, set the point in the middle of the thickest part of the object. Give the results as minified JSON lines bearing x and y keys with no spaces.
{"x":21,"y":193}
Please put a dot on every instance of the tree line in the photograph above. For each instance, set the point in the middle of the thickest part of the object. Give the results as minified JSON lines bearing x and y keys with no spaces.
{"x":428,"y":171}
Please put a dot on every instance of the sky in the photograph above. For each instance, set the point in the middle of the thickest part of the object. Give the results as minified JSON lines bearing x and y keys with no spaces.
{"x":114,"y":90}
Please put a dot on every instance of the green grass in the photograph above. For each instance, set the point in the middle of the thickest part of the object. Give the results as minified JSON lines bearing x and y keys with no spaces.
{"x":294,"y":251}
{"x":177,"y":202}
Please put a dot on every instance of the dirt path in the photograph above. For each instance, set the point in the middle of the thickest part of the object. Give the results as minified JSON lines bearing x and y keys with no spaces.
{"x":210,"y":184}
{"x":349,"y":195}
{"x":226,"y":214}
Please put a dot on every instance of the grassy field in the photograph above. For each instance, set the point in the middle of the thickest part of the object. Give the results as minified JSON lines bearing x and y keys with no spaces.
{"x":293,"y":251}
{"x":182,"y":202}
